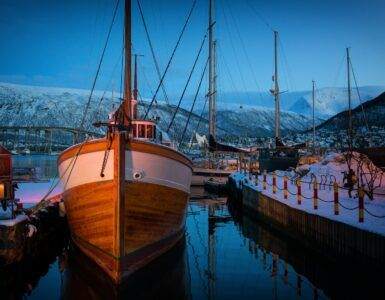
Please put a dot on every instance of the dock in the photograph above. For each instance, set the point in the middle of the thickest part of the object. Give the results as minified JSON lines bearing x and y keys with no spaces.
{"x":328,"y":236}
{"x":21,"y":236}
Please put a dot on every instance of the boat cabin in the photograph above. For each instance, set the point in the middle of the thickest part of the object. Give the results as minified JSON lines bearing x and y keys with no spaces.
{"x":143,"y":129}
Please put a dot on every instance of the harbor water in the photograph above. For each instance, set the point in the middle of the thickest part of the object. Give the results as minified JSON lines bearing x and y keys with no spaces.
{"x":225,"y":254}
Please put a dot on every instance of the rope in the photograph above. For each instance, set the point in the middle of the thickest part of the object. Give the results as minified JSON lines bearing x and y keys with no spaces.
{"x":98,"y":108}
{"x":99,"y":66}
{"x":193,"y":104}
{"x":373,"y":215}
{"x":171,"y":58}
{"x":152,"y":51}
{"x":348,"y":208}
{"x":264,"y":21}
{"x":187,"y":82}
{"x":245,"y":52}
{"x":235,"y":54}
{"x":326,"y":201}
{"x":53,"y":186}
{"x":359,"y":97}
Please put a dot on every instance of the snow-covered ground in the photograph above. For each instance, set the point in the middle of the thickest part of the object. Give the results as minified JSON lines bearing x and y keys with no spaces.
{"x":325,"y":209}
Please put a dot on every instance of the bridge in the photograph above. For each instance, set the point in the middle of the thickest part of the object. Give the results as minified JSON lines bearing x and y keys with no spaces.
{"x":42,"y":139}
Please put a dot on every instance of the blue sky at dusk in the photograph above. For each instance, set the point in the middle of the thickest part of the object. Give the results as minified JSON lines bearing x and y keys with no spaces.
{"x":58,"y":43}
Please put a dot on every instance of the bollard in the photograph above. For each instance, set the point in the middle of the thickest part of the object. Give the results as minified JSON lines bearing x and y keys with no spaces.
{"x":361,"y":205}
{"x":264,"y":179}
{"x":299,"y":194}
{"x":315,"y":194}
{"x":336,"y":205}
{"x":274,"y":183}
{"x":285,"y":191}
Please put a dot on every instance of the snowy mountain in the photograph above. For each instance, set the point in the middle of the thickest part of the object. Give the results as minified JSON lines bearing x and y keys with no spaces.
{"x":329,"y":101}
{"x":371,"y":112}
{"x":46,"y":106}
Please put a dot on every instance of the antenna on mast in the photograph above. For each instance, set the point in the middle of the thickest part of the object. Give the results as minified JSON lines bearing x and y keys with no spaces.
{"x":212,"y":71}
{"x":313,"y":98}
{"x":135,"y":91}
{"x":350,"y":129}
{"x":127,"y":63}
{"x":275,"y":92}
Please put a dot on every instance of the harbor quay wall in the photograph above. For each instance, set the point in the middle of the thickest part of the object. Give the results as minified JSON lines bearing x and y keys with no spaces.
{"x":24,"y":238}
{"x":329,"y":237}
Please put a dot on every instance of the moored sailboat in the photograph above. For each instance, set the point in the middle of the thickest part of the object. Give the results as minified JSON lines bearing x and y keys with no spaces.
{"x":125,"y":194}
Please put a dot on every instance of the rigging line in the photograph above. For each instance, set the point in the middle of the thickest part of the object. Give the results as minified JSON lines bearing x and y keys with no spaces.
{"x":199,"y":120}
{"x":235,"y":53}
{"x":289,"y":78}
{"x":171,"y":57}
{"x":187,"y":83}
{"x":259,"y":15}
{"x":193,"y":104}
{"x":359,"y":97}
{"x":152,"y":51}
{"x":338,"y":72}
{"x":142,"y":71}
{"x":99,"y":66}
{"x":228,"y":71}
{"x":244,"y":51}
{"x":98,"y":109}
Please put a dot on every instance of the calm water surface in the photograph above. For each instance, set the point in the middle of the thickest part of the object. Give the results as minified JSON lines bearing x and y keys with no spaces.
{"x":225,"y":254}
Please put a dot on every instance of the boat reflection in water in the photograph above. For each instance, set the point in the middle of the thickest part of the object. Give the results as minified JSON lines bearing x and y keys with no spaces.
{"x":306,"y":269}
{"x":225,"y":254}
{"x":166,"y":277}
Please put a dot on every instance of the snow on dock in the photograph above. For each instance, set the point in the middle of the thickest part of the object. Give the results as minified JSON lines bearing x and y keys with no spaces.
{"x":326,"y":171}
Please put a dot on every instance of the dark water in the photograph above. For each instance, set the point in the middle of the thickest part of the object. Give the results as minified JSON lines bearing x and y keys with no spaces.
{"x":225,"y":254}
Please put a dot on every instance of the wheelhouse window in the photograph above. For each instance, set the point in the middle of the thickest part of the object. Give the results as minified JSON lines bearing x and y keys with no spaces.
{"x":135,"y":130}
{"x":142,"y":130}
{"x":150,"y":131}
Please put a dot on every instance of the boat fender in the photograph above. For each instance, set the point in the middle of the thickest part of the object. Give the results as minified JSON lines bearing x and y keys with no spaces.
{"x":31,"y":230}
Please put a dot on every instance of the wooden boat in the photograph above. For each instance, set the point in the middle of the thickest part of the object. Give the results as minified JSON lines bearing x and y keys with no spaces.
{"x":125,"y":194}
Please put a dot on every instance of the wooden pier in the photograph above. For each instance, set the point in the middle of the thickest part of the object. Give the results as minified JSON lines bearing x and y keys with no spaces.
{"x":329,"y":237}
{"x":21,"y":237}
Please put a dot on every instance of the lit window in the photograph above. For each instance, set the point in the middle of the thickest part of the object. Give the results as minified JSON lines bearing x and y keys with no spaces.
{"x":142,"y":129}
{"x":2,"y":191}
{"x":149,"y":131}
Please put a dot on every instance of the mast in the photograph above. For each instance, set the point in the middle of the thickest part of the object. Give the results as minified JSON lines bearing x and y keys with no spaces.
{"x":313,"y":98}
{"x":349,"y":98}
{"x":127,"y":63}
{"x":276,"y":90}
{"x":212,"y":79}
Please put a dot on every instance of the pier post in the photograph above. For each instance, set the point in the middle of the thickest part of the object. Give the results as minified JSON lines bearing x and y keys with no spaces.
{"x":315,"y":194}
{"x":299,"y":192}
{"x":274,"y":183}
{"x":336,"y":205}
{"x":285,"y":191}
{"x":264,"y":179}
{"x":361,"y":195}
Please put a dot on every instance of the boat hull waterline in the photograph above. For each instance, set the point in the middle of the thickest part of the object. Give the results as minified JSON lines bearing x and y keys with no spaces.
{"x":122,"y":225}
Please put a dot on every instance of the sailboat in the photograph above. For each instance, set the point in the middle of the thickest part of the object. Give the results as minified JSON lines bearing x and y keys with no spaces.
{"x":125,"y":194}
{"x":282,"y":156}
{"x":214,"y":170}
